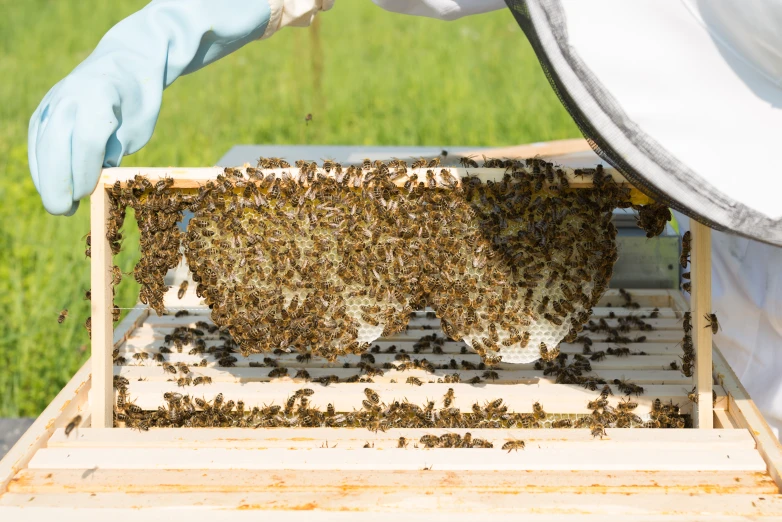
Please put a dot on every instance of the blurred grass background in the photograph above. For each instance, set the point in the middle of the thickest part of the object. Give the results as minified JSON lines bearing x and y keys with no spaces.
{"x":367,"y":76}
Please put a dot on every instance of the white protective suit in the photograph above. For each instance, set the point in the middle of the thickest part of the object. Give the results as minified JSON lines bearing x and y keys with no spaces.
{"x":746,"y":274}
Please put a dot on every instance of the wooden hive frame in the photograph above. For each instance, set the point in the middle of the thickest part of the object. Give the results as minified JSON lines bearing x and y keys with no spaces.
{"x":192,"y":178}
{"x":727,"y":473}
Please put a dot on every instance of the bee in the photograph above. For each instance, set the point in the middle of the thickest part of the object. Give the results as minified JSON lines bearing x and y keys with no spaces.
{"x":182,"y":289}
{"x":402,"y":443}
{"x":72,"y":425}
{"x":278,"y":372}
{"x":184,"y":381}
{"x":686,"y":245}
{"x":546,"y":354}
{"x":372,"y":395}
{"x":468,"y":162}
{"x":598,"y":431}
{"x":491,"y":374}
{"x":414,"y":380}
{"x":182,"y":313}
{"x":712,"y":323}
{"x":419,"y":163}
{"x":513,"y":445}
{"x":448,"y":398}
{"x":141,"y":356}
{"x":475,"y":380}
{"x":62,"y":316}
{"x":693,"y":395}
{"x":202,"y":380}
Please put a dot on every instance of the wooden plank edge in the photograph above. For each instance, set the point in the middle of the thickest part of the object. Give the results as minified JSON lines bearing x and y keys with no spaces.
{"x":71,"y":400}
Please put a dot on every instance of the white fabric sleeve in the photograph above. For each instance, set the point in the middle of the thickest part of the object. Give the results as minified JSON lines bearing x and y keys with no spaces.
{"x":441,"y":9}
{"x":294,"y":13}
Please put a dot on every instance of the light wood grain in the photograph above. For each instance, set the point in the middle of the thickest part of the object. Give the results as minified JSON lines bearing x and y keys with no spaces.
{"x":603,"y":456}
{"x":656,"y":440}
{"x":702,"y":334}
{"x":320,"y":483}
{"x":102,"y":304}
{"x":71,"y":401}
{"x":746,"y":414}
{"x":347,"y":396}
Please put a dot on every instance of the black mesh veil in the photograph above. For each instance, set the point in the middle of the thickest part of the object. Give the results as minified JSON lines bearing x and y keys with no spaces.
{"x":555,"y":54}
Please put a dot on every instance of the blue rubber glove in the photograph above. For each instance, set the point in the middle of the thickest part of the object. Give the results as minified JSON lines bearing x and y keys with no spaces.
{"x":108,"y":106}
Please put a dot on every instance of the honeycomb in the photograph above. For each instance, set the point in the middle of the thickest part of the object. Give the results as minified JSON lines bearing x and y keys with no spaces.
{"x":329,"y":263}
{"x":335,"y":258}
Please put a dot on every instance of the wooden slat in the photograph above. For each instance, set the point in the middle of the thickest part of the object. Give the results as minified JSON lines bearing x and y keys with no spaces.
{"x":415,"y":323}
{"x":701,"y":307}
{"x":745,"y":413}
{"x":71,"y":401}
{"x":102,"y":305}
{"x":247,"y":374}
{"x":147,"y":343}
{"x":603,"y":456}
{"x":128,"y":326}
{"x":655,"y":336}
{"x":356,"y":438}
{"x":630,"y":363}
{"x":346,"y":397}
{"x":424,"y":505}
{"x":318,"y":483}
{"x":195,"y":177}
{"x":723,"y":420}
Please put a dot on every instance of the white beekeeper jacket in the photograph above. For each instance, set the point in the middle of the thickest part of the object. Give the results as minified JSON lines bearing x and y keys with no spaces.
{"x":685,"y":97}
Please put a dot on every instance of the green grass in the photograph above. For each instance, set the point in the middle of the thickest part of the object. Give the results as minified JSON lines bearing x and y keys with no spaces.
{"x":369,"y":77}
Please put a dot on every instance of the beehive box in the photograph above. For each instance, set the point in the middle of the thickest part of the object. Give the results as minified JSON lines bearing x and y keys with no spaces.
{"x":726,"y":473}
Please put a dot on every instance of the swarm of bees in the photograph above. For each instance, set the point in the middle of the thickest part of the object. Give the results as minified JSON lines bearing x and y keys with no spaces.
{"x":157,"y":209}
{"x":324,"y":264}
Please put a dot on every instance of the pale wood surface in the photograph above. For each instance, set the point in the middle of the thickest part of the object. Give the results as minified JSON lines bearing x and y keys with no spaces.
{"x":102,"y":304}
{"x":746,"y":414}
{"x":347,"y":396}
{"x":71,"y":401}
{"x":195,"y":177}
{"x":701,"y":306}
{"x":601,"y":456}
{"x":319,"y":482}
{"x":423,"y":505}
{"x":356,"y":438}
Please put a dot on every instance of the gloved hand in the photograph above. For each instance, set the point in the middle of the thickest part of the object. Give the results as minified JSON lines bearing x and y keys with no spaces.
{"x":108,"y":106}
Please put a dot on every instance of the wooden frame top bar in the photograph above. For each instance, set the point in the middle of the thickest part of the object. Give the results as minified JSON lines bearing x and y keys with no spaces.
{"x":196,"y":177}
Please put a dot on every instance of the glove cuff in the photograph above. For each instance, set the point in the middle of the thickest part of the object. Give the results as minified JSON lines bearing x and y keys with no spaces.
{"x":293,"y":13}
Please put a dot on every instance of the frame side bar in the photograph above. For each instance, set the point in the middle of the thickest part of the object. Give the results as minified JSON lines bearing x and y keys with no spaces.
{"x":101,"y":394}
{"x":702,"y":334}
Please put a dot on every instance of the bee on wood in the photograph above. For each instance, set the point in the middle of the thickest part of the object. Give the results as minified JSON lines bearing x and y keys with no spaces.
{"x":202,"y":380}
{"x":402,"y":443}
{"x":62,"y":316}
{"x":475,"y":380}
{"x":491,"y":374}
{"x":513,"y":445}
{"x":141,"y":356}
{"x":182,"y":289}
{"x":181,"y":313}
{"x":598,"y":431}
{"x":372,"y":395}
{"x":448,"y":398}
{"x":562,"y":423}
{"x":278,"y":372}
{"x":693,"y":395}
{"x":72,"y":425}
{"x":414,"y":381}
{"x":184,"y":381}
{"x":686,"y":245}
{"x":712,"y":323}
{"x":468,"y":162}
